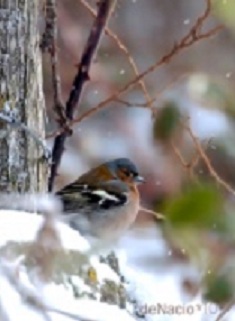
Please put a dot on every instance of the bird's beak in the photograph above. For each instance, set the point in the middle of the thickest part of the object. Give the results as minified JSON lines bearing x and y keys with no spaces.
{"x":139,"y":179}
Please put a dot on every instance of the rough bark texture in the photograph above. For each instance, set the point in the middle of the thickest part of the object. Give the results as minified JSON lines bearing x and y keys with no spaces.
{"x":21,"y":164}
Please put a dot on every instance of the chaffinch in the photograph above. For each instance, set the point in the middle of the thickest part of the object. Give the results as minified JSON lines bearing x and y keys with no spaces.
{"x":103,"y":202}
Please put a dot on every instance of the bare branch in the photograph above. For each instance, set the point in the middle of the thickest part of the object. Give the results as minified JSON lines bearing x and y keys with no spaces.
{"x":125,"y":50}
{"x":157,"y":96}
{"x":188,"y":165}
{"x":104,"y":9}
{"x":194,"y":35}
{"x":207,"y":162}
{"x":225,"y":310}
{"x":179,"y":155}
{"x":158,"y":216}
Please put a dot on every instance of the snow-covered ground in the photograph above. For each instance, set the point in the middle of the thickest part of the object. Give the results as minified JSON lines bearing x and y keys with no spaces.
{"x":154,"y":281}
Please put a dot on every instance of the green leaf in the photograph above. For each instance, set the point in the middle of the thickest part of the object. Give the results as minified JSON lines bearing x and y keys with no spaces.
{"x":219,"y":289}
{"x":200,"y":206}
{"x":167,"y":121}
{"x":225,"y":10}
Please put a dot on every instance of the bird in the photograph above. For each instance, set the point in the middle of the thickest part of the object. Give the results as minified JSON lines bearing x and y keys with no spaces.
{"x":103,"y":202}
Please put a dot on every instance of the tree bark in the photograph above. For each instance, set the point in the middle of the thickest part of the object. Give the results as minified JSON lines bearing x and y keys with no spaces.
{"x":22,"y":167}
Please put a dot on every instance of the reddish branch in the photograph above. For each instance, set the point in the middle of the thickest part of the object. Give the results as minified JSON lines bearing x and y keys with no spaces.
{"x":227,"y":308}
{"x":194,"y":35}
{"x":104,"y":7}
{"x":207,"y":161}
{"x":126,"y":52}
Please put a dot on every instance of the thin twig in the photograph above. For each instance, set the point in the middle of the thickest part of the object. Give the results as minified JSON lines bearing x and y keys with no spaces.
{"x":188,"y":165}
{"x":207,"y":162}
{"x":194,"y":35}
{"x":195,"y":159}
{"x":125,"y":50}
{"x":179,"y":155}
{"x":225,"y":310}
{"x":158,"y":95}
{"x":134,"y":104}
{"x":157,"y":215}
{"x":104,"y":9}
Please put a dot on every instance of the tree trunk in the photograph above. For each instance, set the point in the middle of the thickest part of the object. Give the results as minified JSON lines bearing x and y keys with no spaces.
{"x":22,"y":167}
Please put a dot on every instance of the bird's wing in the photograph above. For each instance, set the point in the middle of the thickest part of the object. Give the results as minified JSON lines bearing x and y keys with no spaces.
{"x":104,"y":195}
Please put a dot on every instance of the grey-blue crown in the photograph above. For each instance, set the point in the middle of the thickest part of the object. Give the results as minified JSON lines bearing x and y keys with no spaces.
{"x":123,"y":163}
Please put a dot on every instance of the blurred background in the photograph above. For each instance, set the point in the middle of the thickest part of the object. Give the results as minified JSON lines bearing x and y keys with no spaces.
{"x":192,"y":251}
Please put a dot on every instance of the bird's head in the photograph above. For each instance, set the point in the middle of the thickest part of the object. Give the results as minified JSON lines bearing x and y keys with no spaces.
{"x":125,"y":170}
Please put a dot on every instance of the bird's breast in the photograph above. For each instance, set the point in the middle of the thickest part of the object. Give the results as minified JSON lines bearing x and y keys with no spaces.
{"x":115,"y":222}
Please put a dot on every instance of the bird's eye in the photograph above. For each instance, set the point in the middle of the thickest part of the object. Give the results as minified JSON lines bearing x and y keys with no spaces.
{"x":129,"y":173}
{"x":126,"y":172}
